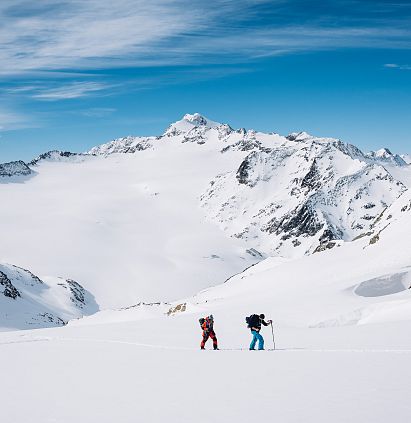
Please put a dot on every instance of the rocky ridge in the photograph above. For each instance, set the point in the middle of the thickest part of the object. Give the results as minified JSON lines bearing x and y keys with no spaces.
{"x":16,"y":168}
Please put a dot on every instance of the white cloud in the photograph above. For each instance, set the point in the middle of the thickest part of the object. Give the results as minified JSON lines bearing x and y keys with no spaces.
{"x":69,"y":91}
{"x":11,"y":120}
{"x":88,"y":34}
{"x":396,"y":66}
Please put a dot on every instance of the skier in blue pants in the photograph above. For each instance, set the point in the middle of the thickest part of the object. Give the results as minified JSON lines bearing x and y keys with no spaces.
{"x":255,"y":323}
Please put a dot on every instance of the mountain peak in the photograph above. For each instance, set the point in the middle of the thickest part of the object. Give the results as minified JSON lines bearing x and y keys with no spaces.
{"x":299,"y":136}
{"x":196,"y":119}
{"x":385,"y":156}
{"x":383,"y":152}
{"x":188,"y":122}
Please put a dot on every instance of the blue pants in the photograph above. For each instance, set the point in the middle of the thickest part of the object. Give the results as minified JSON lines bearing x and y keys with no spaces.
{"x":256,"y":335}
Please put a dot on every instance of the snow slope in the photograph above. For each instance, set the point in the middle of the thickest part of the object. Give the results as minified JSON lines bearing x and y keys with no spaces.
{"x":341,"y":322}
{"x":127,"y":225}
{"x":153,"y":371}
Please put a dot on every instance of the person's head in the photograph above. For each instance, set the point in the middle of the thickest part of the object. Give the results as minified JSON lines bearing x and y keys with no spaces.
{"x":210,"y":317}
{"x":262,"y":316}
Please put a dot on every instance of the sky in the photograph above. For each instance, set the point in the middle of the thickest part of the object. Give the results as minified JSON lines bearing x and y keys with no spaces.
{"x":79,"y":73}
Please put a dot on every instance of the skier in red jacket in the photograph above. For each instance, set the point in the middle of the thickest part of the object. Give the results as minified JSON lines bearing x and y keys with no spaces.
{"x":207,"y":324}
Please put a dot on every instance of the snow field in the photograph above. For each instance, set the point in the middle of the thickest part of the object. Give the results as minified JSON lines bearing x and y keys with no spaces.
{"x":154,"y":371}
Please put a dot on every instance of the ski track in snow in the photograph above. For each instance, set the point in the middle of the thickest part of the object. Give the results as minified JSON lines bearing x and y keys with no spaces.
{"x":168,"y":347}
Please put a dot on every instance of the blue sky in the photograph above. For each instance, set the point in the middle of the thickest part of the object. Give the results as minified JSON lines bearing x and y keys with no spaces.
{"x":75,"y":74}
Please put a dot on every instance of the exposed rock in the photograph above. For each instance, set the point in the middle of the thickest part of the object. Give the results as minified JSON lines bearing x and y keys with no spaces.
{"x":375,"y":239}
{"x":55,"y":156}
{"x":243,"y":172}
{"x":127,"y":145}
{"x":9,"y":290}
{"x":179,"y":308}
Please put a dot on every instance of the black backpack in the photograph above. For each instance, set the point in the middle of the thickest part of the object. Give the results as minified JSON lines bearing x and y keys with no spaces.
{"x":253,"y":321}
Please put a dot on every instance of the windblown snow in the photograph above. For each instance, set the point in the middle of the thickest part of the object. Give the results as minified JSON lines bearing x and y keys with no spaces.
{"x":206,"y":219}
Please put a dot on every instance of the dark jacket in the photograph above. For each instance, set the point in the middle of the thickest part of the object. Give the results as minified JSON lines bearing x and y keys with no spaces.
{"x":257,"y":326}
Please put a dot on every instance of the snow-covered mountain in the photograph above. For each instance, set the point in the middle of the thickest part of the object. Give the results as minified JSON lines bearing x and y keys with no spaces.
{"x":17,"y":168}
{"x":200,"y":202}
{"x":295,"y":198}
{"x":26,"y":301}
{"x":290,"y":195}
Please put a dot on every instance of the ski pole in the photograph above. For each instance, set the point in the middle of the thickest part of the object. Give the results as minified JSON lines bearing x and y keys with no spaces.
{"x":272,"y":332}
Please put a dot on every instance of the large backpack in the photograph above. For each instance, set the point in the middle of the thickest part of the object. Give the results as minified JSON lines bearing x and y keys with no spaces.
{"x":253,"y":321}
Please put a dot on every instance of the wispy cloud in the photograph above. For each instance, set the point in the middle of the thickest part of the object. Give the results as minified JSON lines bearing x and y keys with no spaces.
{"x":397,"y":66}
{"x":69,"y":91}
{"x":11,"y":120}
{"x":97,"y":34}
{"x":97,"y":112}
